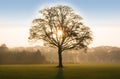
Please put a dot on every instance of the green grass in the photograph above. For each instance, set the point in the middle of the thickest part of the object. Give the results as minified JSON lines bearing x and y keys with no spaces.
{"x":70,"y":71}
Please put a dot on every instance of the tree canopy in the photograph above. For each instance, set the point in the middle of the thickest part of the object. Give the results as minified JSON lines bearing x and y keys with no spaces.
{"x":61,"y":26}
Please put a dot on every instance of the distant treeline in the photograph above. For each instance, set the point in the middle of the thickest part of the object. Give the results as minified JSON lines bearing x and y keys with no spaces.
{"x":20,"y":56}
{"x":41,"y":55}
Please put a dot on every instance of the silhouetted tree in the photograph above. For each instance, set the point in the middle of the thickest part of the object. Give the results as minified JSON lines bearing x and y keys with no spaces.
{"x":60,"y":27}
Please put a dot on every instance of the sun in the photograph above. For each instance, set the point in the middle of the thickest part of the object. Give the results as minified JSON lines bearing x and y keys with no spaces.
{"x":59,"y":33}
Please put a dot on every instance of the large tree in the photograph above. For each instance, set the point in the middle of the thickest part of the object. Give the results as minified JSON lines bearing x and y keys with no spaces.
{"x":59,"y":26}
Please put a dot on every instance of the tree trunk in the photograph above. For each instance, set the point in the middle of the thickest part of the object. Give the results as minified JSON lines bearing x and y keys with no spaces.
{"x":60,"y":57}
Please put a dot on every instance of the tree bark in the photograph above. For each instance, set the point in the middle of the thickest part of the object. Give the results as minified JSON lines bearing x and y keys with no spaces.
{"x":60,"y":57}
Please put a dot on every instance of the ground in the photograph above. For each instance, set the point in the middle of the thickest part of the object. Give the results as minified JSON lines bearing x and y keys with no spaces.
{"x":70,"y":71}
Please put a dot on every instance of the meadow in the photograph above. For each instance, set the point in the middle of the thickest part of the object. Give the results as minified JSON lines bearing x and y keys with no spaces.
{"x":70,"y":71}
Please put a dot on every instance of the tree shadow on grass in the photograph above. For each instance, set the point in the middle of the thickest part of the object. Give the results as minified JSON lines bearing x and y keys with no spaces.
{"x":60,"y":74}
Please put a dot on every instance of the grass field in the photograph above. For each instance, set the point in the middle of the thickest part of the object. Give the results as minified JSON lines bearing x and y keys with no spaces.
{"x":70,"y":71}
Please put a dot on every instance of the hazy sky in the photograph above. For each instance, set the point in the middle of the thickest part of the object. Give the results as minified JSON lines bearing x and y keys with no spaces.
{"x":102,"y":16}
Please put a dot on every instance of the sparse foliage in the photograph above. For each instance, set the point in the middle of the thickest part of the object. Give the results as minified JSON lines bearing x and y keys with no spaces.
{"x":60,"y":27}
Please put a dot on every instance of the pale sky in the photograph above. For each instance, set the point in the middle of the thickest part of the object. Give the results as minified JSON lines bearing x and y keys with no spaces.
{"x":102,"y":16}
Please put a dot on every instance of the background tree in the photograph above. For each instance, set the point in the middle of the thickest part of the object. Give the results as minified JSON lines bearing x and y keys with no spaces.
{"x":59,"y":26}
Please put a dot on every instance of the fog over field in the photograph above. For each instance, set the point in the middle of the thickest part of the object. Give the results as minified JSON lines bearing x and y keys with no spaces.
{"x":43,"y":55}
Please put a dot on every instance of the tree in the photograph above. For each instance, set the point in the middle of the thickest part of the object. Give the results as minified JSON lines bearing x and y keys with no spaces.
{"x":59,"y":26}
